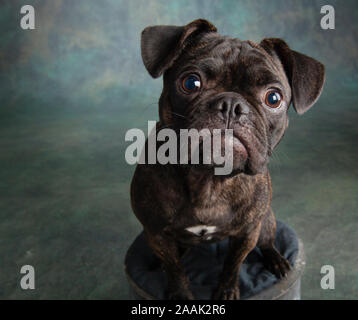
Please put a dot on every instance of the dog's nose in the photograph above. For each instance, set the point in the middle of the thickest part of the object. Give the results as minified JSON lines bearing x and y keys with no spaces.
{"x":230,"y":108}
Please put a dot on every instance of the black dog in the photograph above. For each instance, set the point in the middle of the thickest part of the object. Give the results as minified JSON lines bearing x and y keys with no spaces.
{"x":217,"y":82}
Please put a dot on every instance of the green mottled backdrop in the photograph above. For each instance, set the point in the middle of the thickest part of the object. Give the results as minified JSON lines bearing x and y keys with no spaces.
{"x":71,"y":88}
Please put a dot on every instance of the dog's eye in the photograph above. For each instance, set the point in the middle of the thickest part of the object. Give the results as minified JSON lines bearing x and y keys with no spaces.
{"x":273,"y":98}
{"x":191,"y":83}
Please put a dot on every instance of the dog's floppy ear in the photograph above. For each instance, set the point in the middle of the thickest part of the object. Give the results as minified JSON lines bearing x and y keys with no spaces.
{"x":161,"y":45}
{"x":305,"y":74}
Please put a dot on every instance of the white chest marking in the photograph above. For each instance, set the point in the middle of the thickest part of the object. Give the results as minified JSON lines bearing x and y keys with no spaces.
{"x":201,"y":230}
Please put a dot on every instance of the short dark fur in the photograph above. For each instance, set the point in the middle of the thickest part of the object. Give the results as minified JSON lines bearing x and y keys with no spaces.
{"x":167,"y":199}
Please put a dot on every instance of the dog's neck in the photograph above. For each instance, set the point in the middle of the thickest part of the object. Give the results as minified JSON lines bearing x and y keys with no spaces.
{"x":205,"y":188}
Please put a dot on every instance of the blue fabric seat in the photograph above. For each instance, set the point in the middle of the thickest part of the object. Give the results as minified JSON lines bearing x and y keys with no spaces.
{"x":203,"y":265}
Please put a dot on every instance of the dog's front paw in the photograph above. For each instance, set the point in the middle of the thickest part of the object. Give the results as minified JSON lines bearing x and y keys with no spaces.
{"x":180,"y":294}
{"x":276,"y":264}
{"x":226,"y":293}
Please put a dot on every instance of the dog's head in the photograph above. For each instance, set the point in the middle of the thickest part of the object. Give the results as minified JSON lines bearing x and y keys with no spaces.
{"x":217,"y":82}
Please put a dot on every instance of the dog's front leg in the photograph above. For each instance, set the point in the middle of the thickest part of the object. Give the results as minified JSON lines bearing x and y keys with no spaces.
{"x":239,"y":247}
{"x":167,"y":250}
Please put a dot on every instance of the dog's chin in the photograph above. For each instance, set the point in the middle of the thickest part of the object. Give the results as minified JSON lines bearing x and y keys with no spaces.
{"x":234,"y":156}
{"x":238,"y":154}
{"x":243,"y":157}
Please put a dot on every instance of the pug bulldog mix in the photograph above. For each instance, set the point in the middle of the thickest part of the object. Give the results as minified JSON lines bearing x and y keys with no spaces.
{"x":217,"y":82}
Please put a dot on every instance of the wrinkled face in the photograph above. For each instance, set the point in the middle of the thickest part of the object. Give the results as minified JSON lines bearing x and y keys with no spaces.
{"x":224,"y":83}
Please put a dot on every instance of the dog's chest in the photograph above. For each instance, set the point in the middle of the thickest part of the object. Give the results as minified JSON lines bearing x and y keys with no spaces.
{"x":214,"y":212}
{"x":203,"y":231}
{"x":209,"y":224}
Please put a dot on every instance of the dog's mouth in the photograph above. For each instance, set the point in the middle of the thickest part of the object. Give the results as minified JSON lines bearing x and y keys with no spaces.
{"x":240,"y":147}
{"x":237,"y":151}
{"x":229,"y":150}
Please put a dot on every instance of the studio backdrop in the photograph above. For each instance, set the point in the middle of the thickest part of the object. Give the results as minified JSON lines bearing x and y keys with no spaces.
{"x":72,"y":86}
